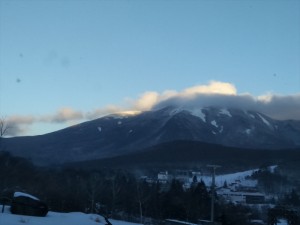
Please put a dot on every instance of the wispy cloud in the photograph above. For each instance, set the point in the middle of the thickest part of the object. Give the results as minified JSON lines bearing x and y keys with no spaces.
{"x":18,"y":125}
{"x":99,"y":112}
{"x":62,"y":115}
{"x":280,"y":107}
{"x":215,"y":93}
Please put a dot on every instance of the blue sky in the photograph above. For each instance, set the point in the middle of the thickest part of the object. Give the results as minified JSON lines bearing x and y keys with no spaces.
{"x":63,"y":62}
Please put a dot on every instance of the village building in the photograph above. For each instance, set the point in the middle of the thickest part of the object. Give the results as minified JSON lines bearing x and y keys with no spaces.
{"x":241,"y":197}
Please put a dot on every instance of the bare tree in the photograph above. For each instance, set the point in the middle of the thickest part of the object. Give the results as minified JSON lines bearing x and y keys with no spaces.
{"x":142,"y":196}
{"x":94,"y":185}
{"x":3,"y":127}
{"x":116,"y":187}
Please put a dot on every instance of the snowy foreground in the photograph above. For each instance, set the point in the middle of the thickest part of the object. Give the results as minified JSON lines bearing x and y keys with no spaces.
{"x":74,"y":218}
{"x":54,"y":218}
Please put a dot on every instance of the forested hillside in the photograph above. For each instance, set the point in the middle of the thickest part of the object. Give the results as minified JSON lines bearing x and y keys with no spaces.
{"x":105,"y":191}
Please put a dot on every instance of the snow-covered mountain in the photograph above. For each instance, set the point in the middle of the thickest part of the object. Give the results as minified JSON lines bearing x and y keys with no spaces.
{"x":122,"y":134}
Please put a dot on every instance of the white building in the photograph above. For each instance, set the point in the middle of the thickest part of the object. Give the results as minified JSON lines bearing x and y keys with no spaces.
{"x":241,"y":197}
{"x":163,"y":177}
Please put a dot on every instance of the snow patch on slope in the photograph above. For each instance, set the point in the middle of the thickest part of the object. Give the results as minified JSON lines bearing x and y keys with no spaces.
{"x":225,"y":112}
{"x":264,"y":120}
{"x":221,"y":130}
{"x":198,"y":113}
{"x":175,"y":111}
{"x":194,"y":112}
{"x":248,"y":131}
{"x":250,"y":114}
{"x":214,"y":123}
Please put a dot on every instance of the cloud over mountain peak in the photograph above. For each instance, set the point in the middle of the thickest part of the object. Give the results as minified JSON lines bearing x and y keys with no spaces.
{"x":215,"y":93}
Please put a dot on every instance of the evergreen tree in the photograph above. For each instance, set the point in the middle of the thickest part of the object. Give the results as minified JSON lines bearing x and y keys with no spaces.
{"x":173,"y":205}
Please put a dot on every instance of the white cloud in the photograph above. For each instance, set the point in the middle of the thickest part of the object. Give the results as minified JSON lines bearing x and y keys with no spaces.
{"x":146,"y":101}
{"x":280,"y":107}
{"x":224,"y":94}
{"x":150,"y":100}
{"x":275,"y":106}
{"x":215,"y":93}
{"x":62,"y":115}
{"x":20,"y":119}
{"x":214,"y":87}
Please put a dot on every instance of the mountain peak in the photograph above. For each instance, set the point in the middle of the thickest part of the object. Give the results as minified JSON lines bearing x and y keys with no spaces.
{"x":119,"y":134}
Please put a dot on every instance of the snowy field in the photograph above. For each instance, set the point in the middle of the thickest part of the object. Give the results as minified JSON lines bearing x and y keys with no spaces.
{"x":54,"y":218}
{"x":282,"y":222}
{"x":233,"y":177}
{"x":230,"y":178}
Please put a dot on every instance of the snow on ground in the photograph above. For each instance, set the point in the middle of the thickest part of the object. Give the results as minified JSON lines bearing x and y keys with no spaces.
{"x":282,"y":222}
{"x":55,"y":218}
{"x":180,"y":222}
{"x":231,"y":178}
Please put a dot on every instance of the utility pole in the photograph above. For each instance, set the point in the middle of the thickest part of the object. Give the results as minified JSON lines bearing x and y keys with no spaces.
{"x":212,"y":190}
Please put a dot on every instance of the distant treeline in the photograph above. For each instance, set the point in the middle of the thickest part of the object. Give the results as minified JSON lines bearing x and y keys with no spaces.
{"x":195,"y":155}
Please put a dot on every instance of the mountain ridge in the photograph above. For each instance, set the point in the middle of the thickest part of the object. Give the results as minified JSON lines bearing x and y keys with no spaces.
{"x":115,"y":135}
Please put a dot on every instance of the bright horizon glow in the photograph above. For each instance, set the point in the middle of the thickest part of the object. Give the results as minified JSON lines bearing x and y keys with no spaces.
{"x":65,"y":62}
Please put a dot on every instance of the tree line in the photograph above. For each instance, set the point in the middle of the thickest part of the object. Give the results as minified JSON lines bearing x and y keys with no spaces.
{"x":112,"y":193}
